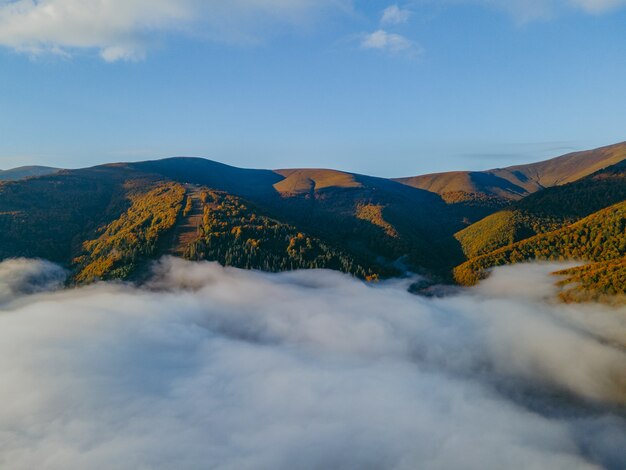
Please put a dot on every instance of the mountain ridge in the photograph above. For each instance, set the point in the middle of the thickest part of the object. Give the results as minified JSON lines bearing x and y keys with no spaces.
{"x":517,"y":181}
{"x":107,"y":221}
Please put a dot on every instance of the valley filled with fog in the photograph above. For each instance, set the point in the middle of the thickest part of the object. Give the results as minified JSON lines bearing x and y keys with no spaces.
{"x":213,"y":367}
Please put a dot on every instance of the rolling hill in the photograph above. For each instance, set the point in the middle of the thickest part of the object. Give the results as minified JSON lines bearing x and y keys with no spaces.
{"x":309,"y":181}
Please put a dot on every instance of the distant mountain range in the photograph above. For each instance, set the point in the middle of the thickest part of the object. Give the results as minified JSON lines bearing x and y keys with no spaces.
{"x":108,"y":221}
{"x":22,"y":172}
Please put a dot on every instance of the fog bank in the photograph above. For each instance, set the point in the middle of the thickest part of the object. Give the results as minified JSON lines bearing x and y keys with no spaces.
{"x":212,"y":367}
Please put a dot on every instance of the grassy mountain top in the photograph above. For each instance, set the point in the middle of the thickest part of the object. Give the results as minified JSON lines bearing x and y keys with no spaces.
{"x":474,"y":182}
{"x":306,"y":181}
{"x":570,"y":167}
{"x":515,"y":182}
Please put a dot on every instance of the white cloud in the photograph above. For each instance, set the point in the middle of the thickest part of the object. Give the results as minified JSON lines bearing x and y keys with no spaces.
{"x":128,"y":29}
{"x":395,"y":15}
{"x":125,"y":29}
{"x":598,"y":6}
{"x":391,"y":43}
{"x":529,"y":10}
{"x":220,"y":368}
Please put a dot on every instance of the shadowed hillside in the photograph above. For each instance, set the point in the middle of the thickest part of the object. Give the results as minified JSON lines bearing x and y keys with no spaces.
{"x":371,"y":217}
{"x":49,"y":216}
{"x":240,"y":181}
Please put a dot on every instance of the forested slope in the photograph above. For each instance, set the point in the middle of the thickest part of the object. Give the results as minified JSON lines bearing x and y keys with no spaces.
{"x":603,"y":281}
{"x":132,"y":237}
{"x":235,"y":233}
{"x":600,"y":237}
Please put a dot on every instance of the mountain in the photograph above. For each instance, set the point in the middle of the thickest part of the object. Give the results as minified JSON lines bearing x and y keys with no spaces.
{"x":102,"y":222}
{"x":108,"y":221}
{"x":516,"y":182}
{"x":374,"y":218}
{"x":22,"y":172}
{"x":545,"y":211}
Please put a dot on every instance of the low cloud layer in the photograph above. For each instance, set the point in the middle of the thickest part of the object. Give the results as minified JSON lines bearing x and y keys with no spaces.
{"x":210,"y":367}
{"x":20,"y":277}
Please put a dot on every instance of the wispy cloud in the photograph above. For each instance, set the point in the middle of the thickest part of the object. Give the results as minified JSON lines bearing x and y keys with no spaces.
{"x":126,"y":29}
{"x":598,"y":6}
{"x":392,"y":43}
{"x":529,"y":10}
{"x":395,"y":15}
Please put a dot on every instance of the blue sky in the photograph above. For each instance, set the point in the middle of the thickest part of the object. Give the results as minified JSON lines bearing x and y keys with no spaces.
{"x":382,"y":88}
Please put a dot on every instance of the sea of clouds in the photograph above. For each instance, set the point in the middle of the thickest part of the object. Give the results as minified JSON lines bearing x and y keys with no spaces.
{"x":212,"y":367}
